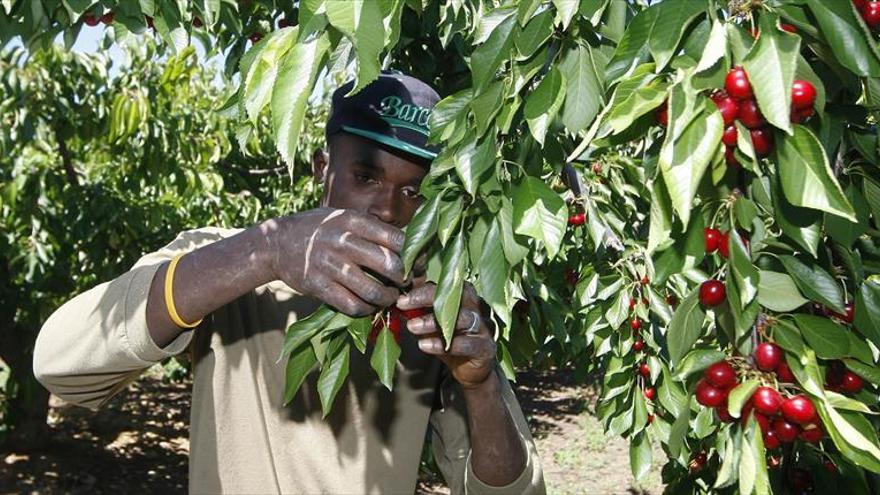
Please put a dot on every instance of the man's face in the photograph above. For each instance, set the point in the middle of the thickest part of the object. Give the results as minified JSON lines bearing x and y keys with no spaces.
{"x":366,"y":177}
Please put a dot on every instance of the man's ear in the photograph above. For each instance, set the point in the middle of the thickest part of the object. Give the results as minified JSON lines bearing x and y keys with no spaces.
{"x":320,"y":162}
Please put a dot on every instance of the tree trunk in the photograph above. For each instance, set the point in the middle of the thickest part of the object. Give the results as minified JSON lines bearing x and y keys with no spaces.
{"x":29,"y":407}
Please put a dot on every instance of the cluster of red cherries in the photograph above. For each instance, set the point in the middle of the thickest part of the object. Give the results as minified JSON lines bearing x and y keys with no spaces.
{"x":737,"y":102}
{"x":870,"y":12}
{"x":782,"y":420}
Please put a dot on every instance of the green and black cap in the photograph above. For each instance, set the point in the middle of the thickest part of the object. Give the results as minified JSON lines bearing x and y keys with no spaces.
{"x":393,"y":110}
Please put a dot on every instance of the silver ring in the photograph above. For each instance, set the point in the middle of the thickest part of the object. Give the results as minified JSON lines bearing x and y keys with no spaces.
{"x":475,"y":326}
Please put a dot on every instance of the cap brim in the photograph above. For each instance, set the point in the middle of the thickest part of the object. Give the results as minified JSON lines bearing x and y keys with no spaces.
{"x":392,"y":142}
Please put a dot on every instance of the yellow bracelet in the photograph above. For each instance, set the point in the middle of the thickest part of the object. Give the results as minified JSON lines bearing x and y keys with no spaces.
{"x":169,"y":295}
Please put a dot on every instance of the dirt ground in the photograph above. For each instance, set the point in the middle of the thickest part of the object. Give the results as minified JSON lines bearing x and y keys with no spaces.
{"x":138,"y":444}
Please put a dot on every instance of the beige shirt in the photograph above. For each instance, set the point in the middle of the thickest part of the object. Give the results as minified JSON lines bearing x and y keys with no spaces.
{"x":243,"y":440}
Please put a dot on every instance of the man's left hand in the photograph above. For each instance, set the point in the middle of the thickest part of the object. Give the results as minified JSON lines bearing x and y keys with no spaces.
{"x":471,"y":357}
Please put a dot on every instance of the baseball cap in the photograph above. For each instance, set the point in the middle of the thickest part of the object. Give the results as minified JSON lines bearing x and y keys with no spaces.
{"x":393,"y":110}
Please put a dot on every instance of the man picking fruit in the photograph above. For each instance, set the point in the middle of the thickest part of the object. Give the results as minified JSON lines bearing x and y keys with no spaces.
{"x":228,"y":295}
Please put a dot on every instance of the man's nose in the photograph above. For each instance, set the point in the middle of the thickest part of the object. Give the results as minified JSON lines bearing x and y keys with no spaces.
{"x":384,"y":207}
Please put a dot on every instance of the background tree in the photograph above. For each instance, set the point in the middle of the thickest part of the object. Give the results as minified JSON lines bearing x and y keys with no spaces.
{"x":716,"y":254}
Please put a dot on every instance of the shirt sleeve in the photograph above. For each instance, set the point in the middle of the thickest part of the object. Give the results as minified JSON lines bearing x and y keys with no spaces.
{"x":451,"y":445}
{"x":98,"y":342}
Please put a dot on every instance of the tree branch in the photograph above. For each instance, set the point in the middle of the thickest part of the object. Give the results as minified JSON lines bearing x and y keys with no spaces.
{"x":66,"y":160}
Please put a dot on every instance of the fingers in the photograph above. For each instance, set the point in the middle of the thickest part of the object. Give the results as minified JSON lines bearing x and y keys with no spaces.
{"x":365,"y":287}
{"x":376,"y":231}
{"x":467,"y":346}
{"x":346,"y":301}
{"x":419,"y":297}
{"x":379,"y":259}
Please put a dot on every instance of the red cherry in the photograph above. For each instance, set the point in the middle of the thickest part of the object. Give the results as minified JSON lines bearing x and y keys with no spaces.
{"x":763,"y":422}
{"x":577,"y":219}
{"x":788,"y":27}
{"x":724,"y":245}
{"x":860,"y":4}
{"x":571,"y":277}
{"x":871,"y":14}
{"x":712,"y":238}
{"x":662,"y":115}
{"x":784,"y":374}
{"x":721,"y":375}
{"x":712,"y":293}
{"x":755,"y":32}
{"x":283,"y":23}
{"x":411,"y":314}
{"x":149,"y":21}
{"x":785,"y":431}
{"x":91,"y":20}
{"x":650,"y":418}
{"x":750,"y":115}
{"x":798,"y":409}
{"x":852,"y":383}
{"x":645,"y":280}
{"x":801,"y":480}
{"x":632,"y":304}
{"x":644,"y":369}
{"x":762,"y":140}
{"x":636,"y":324}
{"x":803,"y":94}
{"x":767,"y":401}
{"x":255,"y":37}
{"x":650,"y":393}
{"x":737,"y":84}
{"x":811,"y":434}
{"x":771,"y":440}
{"x":698,"y":463}
{"x":767,"y":356}
{"x":710,"y":396}
{"x":730,"y":157}
{"x":805,"y":114}
{"x":727,"y":106}
{"x":850,"y":315}
{"x":671,"y":299}
{"x":638,"y":345}
{"x":724,"y":414}
{"x":773,"y":462}
{"x":597,"y":168}
{"x":729,"y":136}
{"x":830,"y":467}
{"x":394,"y":322}
{"x":197,"y":22}
{"x":107,"y":19}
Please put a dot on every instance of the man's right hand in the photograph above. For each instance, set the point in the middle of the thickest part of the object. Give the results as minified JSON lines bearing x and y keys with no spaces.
{"x":330,"y":254}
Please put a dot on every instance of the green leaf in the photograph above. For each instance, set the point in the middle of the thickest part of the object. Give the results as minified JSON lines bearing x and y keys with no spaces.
{"x":806,"y":176}
{"x":538,"y":212}
{"x":299,"y":365}
{"x":771,"y":67}
{"x":841,"y":229}
{"x":867,"y":307}
{"x":472,"y":161}
{"x":298,"y":70}
{"x":544,"y":102}
{"x":688,"y":148}
{"x":384,"y":357}
{"x":536,"y":32}
{"x":640,"y":455}
{"x":845,"y":36}
{"x":487,"y":57}
{"x":868,"y":372}
{"x":514,"y":250}
{"x":362,"y":21}
{"x":619,"y":310}
{"x":697,"y":360}
{"x":778,"y":292}
{"x":641,"y":101}
{"x":487,"y":105}
{"x":303,"y":330}
{"x":419,"y":231}
{"x":660,"y":227}
{"x":261,"y":76}
{"x":565,"y":11}
{"x":679,"y":431}
{"x":826,"y":338}
{"x":799,"y":224}
{"x":673,"y":18}
{"x":449,"y":218}
{"x":449,"y":287}
{"x":815,"y":283}
{"x":583,"y":88}
{"x":447,"y":112}
{"x":359,"y":330}
{"x":852,"y":431}
{"x":633,"y":47}
{"x":753,"y":476}
{"x":332,"y":377}
{"x":685,"y":328}
{"x":494,"y":274}
{"x":745,"y":275}
{"x":739,"y":395}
